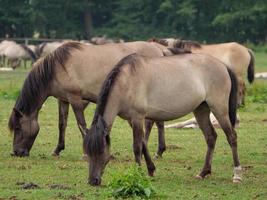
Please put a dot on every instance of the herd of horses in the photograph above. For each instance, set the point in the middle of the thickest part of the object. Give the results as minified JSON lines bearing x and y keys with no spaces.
{"x":143,"y":83}
{"x":12,"y":53}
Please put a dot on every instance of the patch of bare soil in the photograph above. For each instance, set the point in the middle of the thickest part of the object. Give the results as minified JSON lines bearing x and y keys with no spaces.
{"x":173,"y":146}
{"x":10,"y":198}
{"x":71,"y":197}
{"x":247,"y":167}
{"x":59,"y":187}
{"x":28,"y":186}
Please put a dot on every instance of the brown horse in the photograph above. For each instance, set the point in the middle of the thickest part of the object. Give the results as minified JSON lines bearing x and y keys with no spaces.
{"x":163,"y":89}
{"x":73,"y":74}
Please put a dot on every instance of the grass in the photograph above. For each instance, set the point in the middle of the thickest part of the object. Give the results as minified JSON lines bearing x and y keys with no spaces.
{"x":66,"y":177}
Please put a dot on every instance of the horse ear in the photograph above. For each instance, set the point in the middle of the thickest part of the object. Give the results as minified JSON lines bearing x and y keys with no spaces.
{"x":18,"y":113}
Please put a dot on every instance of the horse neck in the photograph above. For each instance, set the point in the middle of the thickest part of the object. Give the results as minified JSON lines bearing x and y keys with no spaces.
{"x":110,"y":113}
{"x":35,"y":108}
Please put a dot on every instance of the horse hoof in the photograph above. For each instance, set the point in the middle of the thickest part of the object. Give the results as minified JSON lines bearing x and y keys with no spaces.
{"x":157,"y":156}
{"x":85,"y":157}
{"x":151,"y":173}
{"x":199,"y":177}
{"x":55,"y":154}
{"x":237,"y":181}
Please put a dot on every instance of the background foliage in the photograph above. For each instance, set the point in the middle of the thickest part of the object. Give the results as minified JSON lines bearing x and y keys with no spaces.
{"x":205,"y":20}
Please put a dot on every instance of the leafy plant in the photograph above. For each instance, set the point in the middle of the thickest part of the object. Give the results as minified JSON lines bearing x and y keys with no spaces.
{"x":257,"y":93}
{"x":131,"y":183}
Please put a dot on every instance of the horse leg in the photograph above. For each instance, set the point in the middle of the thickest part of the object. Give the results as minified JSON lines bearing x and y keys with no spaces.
{"x":63,"y":111}
{"x":25,"y":63}
{"x":78,"y":110}
{"x":139,"y":146}
{"x":161,"y":139}
{"x":202,"y":115}
{"x":231,"y":136}
{"x":148,"y":127}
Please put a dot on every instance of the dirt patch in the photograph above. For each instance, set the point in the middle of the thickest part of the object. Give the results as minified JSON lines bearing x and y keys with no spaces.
{"x":59,"y":187}
{"x":173,"y":147}
{"x":71,"y":197}
{"x":10,"y":198}
{"x":247,"y":167}
{"x":28,"y":186}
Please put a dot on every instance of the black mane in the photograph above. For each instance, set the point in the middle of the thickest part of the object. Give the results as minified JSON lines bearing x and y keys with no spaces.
{"x":38,"y":80}
{"x":187,"y":44}
{"x":29,"y":51}
{"x":183,"y":44}
{"x":109,"y":82}
{"x":93,"y":141}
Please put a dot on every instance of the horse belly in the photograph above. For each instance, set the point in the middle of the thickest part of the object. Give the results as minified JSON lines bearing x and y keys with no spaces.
{"x":175,"y":103}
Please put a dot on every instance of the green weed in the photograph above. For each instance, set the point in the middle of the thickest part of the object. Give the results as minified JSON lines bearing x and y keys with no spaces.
{"x":132,"y":183}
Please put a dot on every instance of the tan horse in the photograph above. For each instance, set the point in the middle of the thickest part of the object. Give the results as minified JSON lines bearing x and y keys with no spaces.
{"x":239,"y":59}
{"x":73,"y":73}
{"x":16,"y":52}
{"x":163,"y":89}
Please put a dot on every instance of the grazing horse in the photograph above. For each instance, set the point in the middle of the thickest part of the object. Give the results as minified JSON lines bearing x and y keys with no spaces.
{"x":162,"y":89}
{"x":73,"y":73}
{"x":16,"y":52}
{"x":237,"y":57}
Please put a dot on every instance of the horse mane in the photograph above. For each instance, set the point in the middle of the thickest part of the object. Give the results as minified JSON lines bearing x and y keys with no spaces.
{"x":40,"y":49}
{"x":93,"y":142}
{"x":187,"y":44}
{"x":29,"y":51}
{"x":108,"y":84}
{"x":178,"y":43}
{"x":39,"y":79}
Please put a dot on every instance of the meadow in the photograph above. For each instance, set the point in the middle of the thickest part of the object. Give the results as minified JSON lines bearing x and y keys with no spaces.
{"x":65,"y":177}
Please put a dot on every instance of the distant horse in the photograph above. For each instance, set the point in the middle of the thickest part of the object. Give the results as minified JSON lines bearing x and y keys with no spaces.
{"x":16,"y":52}
{"x":73,"y":73}
{"x":163,"y":89}
{"x":45,"y":48}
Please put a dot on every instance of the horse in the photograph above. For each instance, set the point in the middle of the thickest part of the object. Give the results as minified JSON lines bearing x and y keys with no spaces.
{"x":237,"y":57}
{"x":45,"y":48}
{"x":162,"y":89}
{"x":16,"y":52}
{"x":73,"y":74}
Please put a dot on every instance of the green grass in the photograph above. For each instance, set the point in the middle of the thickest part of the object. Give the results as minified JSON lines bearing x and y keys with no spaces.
{"x":174,"y":177}
{"x":261,"y":61}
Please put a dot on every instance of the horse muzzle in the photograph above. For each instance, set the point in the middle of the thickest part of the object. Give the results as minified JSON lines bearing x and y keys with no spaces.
{"x":96,"y":181}
{"x":20,"y":153}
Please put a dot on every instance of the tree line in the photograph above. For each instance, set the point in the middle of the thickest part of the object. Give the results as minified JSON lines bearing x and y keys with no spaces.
{"x":202,"y":20}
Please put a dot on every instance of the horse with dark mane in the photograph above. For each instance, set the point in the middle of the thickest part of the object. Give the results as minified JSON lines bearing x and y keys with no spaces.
{"x":162,"y":89}
{"x":237,"y":57}
{"x":73,"y":73}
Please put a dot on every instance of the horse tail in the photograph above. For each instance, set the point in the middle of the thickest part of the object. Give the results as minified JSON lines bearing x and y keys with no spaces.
{"x":251,"y":67}
{"x":29,"y":51}
{"x":233,"y":97}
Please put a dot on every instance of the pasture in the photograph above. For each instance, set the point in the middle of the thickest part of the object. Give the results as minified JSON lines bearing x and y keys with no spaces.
{"x":65,"y":177}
